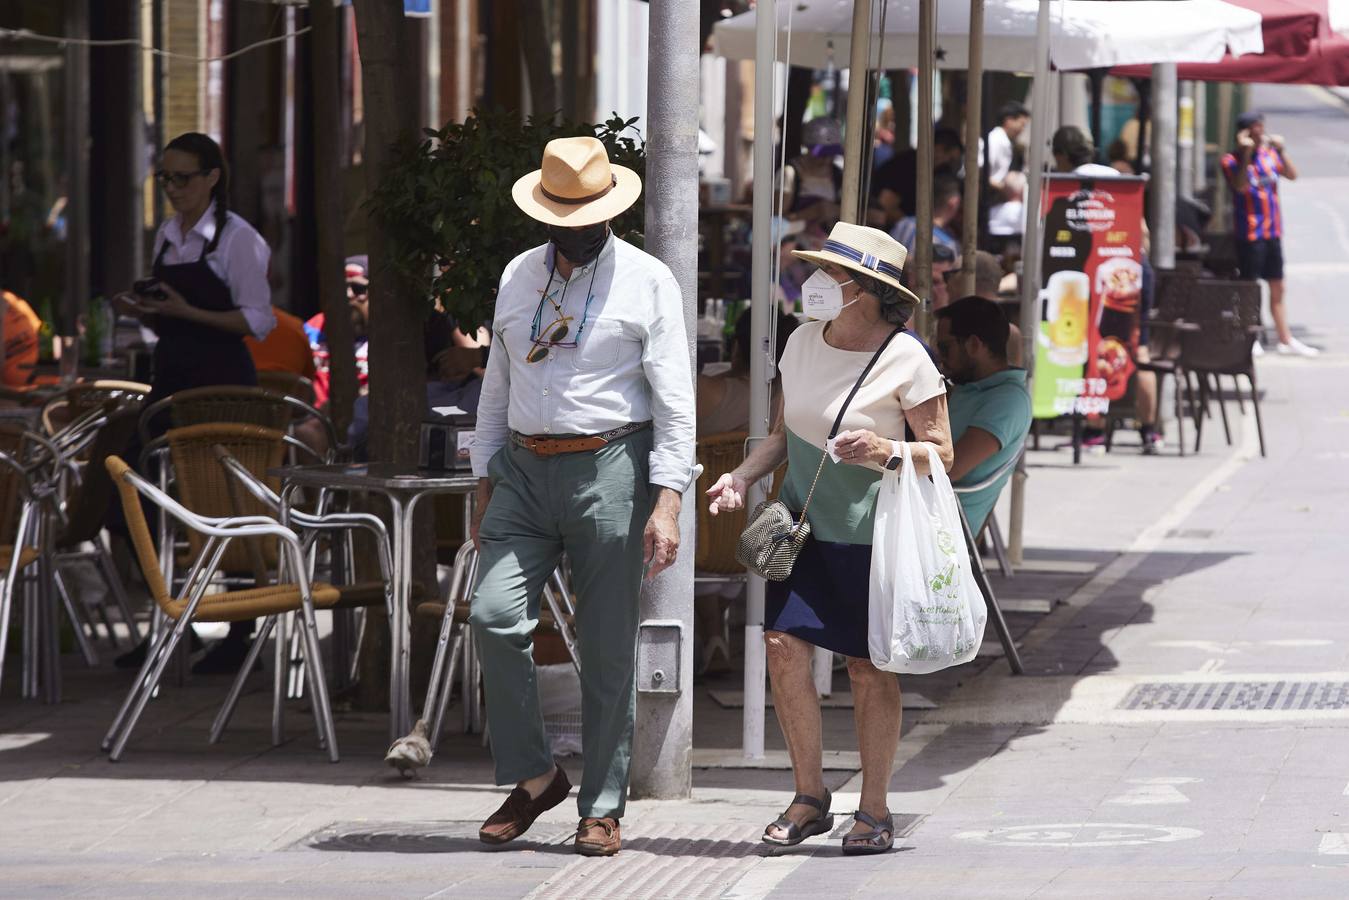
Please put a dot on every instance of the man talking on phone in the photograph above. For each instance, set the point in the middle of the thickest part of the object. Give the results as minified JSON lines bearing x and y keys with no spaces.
{"x":1253,"y":170}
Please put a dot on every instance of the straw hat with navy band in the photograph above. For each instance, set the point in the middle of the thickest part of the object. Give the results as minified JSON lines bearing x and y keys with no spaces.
{"x":869,"y":251}
{"x":576,"y":185}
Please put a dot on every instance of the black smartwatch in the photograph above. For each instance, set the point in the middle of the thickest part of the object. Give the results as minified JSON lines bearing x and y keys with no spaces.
{"x":895,"y":458}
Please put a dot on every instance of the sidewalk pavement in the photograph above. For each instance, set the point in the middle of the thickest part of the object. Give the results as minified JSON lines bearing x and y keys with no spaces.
{"x":1180,"y":733}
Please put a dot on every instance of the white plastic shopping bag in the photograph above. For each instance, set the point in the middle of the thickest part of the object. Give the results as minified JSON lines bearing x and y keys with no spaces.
{"x":927,"y":612}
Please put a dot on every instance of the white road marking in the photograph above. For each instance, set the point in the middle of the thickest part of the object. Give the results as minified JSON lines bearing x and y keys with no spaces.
{"x":768,"y":874}
{"x":1081,"y":834}
{"x":1334,"y":844}
{"x":19,"y":741}
{"x":1153,"y":792}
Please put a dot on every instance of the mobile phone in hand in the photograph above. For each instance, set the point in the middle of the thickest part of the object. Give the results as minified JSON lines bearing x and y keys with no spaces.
{"x":149,"y":288}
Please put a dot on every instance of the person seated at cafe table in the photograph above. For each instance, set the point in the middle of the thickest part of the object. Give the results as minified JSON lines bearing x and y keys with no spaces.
{"x":990,"y":407}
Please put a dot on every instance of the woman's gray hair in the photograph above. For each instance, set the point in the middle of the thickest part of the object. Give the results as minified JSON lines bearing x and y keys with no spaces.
{"x":896,"y":307}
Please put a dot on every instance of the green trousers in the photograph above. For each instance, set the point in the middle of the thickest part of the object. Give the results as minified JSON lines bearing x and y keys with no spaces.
{"x":593,"y":507}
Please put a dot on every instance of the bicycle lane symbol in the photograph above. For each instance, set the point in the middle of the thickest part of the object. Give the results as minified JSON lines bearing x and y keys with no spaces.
{"x":1081,"y":834}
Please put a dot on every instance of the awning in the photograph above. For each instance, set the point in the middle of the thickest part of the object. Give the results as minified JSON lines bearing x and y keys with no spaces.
{"x":1085,"y":34}
{"x":1325,"y":61}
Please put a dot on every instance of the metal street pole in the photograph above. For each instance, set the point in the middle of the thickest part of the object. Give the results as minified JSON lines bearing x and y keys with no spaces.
{"x":1040,"y":123}
{"x":760,"y":360}
{"x":974,"y":98}
{"x":1163,"y":187}
{"x":855,"y":136}
{"x":662,"y":751}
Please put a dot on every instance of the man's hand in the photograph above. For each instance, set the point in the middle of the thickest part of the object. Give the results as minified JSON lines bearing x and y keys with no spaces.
{"x":1275,"y":141}
{"x":1244,"y":140}
{"x":483,"y":498}
{"x":660,"y":540}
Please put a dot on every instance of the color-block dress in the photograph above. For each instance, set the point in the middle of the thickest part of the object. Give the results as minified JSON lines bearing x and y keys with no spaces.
{"x":824,"y":600}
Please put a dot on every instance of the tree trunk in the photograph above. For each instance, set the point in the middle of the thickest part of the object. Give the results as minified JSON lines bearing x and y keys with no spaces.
{"x":328,"y":211}
{"x":536,"y":39}
{"x":397,"y":307}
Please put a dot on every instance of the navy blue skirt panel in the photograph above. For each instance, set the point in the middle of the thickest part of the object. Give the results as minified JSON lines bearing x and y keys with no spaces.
{"x":824,"y":601}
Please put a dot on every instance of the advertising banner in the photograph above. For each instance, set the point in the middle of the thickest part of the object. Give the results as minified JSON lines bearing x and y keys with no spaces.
{"x":1089,"y":302}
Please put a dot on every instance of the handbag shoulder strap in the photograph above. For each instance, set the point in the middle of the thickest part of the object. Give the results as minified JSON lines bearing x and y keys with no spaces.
{"x":838,"y":420}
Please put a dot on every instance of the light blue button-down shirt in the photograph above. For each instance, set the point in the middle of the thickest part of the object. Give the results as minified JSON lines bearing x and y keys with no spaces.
{"x":631,"y":365}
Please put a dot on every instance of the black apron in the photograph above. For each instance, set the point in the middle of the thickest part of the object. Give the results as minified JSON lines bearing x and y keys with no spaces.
{"x":189,"y":354}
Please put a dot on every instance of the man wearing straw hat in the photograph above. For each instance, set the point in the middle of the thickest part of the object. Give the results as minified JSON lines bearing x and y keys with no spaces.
{"x":584,"y":445}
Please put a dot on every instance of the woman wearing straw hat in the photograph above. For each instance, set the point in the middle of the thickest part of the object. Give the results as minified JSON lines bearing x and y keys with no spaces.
{"x":861,"y":308}
{"x":584,"y":445}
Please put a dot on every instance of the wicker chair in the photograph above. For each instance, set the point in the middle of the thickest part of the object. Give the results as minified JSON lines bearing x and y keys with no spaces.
{"x":86,"y":511}
{"x":717,"y":536}
{"x":81,"y":398}
{"x":1227,"y":319}
{"x":194,"y":605}
{"x":288,"y":384}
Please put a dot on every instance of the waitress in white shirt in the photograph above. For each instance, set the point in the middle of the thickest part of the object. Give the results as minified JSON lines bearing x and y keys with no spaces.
{"x":211,"y":277}
{"x":209,"y":291}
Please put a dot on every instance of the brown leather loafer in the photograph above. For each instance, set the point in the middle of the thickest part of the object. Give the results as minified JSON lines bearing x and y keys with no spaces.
{"x":598,"y":837}
{"x":520,"y":810}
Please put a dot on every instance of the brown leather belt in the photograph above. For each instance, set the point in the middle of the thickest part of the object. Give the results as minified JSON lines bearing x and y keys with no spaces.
{"x":548,"y":445}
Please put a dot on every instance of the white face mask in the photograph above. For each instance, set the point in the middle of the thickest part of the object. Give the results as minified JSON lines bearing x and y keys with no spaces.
{"x":822,"y":296}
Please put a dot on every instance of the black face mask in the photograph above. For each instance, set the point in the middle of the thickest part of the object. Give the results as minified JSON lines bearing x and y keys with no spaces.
{"x":579,"y":245}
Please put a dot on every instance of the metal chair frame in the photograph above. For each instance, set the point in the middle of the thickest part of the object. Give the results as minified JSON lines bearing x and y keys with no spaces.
{"x":977,"y":562}
{"x":219,"y":531}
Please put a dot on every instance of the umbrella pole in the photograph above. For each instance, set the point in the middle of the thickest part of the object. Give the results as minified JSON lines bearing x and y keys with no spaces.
{"x":1030,"y":257}
{"x":762,"y":293}
{"x":855,"y":136}
{"x":974,"y":96}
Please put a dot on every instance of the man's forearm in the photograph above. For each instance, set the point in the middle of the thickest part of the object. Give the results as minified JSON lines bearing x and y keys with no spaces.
{"x":668,"y":500}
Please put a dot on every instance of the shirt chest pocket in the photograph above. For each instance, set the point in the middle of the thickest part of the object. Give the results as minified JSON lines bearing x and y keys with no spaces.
{"x":604,"y":345}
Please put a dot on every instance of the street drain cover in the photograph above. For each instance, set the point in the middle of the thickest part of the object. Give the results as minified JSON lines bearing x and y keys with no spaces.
{"x":418,"y":837}
{"x":1247,"y":695}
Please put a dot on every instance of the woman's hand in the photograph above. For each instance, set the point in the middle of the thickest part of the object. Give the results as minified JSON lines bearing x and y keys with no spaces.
{"x":861,"y":447}
{"x":127,"y":304}
{"x":173,"y":304}
{"x":728,"y":494}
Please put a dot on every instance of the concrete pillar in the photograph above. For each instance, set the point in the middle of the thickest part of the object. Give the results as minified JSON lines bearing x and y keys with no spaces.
{"x":662,"y":752}
{"x":1162,"y":214}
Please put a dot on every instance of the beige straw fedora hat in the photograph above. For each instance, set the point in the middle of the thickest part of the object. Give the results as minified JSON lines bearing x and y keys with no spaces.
{"x":866,"y":250}
{"x":576,"y":185}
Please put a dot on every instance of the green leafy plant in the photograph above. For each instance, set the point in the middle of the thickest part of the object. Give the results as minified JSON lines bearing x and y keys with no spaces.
{"x":446,"y":202}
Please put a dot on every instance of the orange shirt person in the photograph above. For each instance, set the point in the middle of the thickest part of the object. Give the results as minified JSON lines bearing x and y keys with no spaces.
{"x":285,"y":349}
{"x":21,"y":329}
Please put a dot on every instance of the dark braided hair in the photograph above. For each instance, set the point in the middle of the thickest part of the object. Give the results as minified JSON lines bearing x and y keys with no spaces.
{"x":896,"y":307}
{"x":208,"y":157}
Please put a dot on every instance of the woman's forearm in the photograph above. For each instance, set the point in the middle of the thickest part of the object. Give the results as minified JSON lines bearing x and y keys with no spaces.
{"x":765,"y":458}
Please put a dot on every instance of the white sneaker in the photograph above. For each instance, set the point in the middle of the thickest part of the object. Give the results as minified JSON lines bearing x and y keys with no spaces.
{"x":1257,"y":349}
{"x":1294,"y":347}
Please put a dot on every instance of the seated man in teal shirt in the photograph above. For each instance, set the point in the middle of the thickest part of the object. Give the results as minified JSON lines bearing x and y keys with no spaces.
{"x":990,"y":406}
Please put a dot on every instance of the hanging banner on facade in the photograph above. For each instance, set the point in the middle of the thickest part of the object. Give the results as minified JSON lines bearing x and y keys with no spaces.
{"x":1089,"y":302}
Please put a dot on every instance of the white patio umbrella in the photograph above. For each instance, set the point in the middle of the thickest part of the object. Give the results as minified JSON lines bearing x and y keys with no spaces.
{"x":1084,"y":34}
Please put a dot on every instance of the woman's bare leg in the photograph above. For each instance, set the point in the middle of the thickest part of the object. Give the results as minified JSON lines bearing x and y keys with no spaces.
{"x":798,"y":710}
{"x":877,"y":711}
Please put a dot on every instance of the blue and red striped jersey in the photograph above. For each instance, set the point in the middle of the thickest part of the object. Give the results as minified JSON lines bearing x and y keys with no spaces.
{"x":1256,"y":214}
